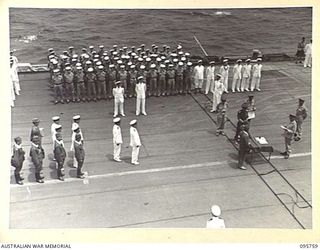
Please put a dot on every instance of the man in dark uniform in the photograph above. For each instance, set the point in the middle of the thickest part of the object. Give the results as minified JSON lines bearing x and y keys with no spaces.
{"x":17,"y":159}
{"x":60,"y":155}
{"x":244,"y":146}
{"x":243,"y":118}
{"x":101,"y":78}
{"x":79,"y":84}
{"x":288,"y":135}
{"x":301,"y":115}
{"x":79,"y":155}
{"x":179,"y":78}
{"x":171,"y":80}
{"x":153,"y":79}
{"x":112,"y":77}
{"x":187,"y":78}
{"x":221,"y":116}
{"x":91,"y":84}
{"x":68,"y":77}
{"x":162,"y":80}
{"x":35,"y":130}
{"x":57,"y":85}
{"x":132,"y":80}
{"x":37,"y":155}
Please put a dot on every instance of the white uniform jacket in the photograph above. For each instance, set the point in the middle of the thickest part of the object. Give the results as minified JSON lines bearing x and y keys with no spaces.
{"x":141,"y":90}
{"x":199,"y":72}
{"x":237,"y":71}
{"x":118,"y":93}
{"x":256,"y":71}
{"x":247,"y":70}
{"x":134,"y":137}
{"x":117,"y":137}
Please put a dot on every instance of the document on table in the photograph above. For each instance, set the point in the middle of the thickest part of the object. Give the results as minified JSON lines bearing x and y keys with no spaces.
{"x":261,"y":140}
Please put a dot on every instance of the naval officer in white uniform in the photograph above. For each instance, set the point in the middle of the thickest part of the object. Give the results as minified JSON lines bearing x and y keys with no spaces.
{"x":118,"y":93}
{"x":224,"y":72}
{"x":141,"y":96}
{"x":246,"y":76}
{"x":135,"y":142}
{"x":210,"y":78}
{"x":256,"y":75}
{"x":237,"y":70}
{"x":117,"y":139}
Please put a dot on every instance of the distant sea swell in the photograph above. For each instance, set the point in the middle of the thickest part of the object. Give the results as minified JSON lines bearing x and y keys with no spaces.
{"x":221,"y":32}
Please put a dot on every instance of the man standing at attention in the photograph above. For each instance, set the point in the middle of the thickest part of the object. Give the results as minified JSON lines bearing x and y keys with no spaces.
{"x":301,"y":115}
{"x":244,"y":146}
{"x":246,"y":76}
{"x":288,"y":135}
{"x":141,"y":96}
{"x":118,"y":93}
{"x":224,"y":72}
{"x":308,"y":52}
{"x":256,"y":75}
{"x":198,"y":77}
{"x":117,"y":139}
{"x":237,"y":70}
{"x":135,"y":142}
{"x":210,"y":78}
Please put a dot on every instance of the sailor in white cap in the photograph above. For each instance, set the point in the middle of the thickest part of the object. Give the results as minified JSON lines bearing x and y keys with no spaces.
{"x":215,"y":222}
{"x":198,"y":77}
{"x":179,"y":78}
{"x":224,"y":71}
{"x":141,"y":96}
{"x":118,"y":94}
{"x":256,"y":75}
{"x":187,"y":78}
{"x":171,"y":86}
{"x":153,"y":80}
{"x":117,"y":139}
{"x":135,"y":142}
{"x":123,"y":78}
{"x":55,"y":123}
{"x":68,"y":78}
{"x":237,"y":71}
{"x":162,"y":79}
{"x":57,"y":85}
{"x":75,"y":131}
{"x":246,"y":76}
{"x":91,"y":79}
{"x":217,"y":93}
{"x":111,"y":79}
{"x":75,"y":128}
{"x":101,"y":80}
{"x":210,"y":77}
{"x":132,"y":80}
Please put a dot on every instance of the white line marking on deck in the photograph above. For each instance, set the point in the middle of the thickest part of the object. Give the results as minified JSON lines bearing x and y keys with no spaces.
{"x":153,"y":170}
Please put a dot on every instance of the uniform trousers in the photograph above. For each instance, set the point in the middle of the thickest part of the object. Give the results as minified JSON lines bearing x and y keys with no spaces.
{"x":187,"y":84}
{"x":60,"y":169}
{"x":69,"y":91}
{"x":221,"y":119}
{"x":224,"y":80}
{"x":153,"y":86}
{"x":162,"y":85}
{"x":287,"y":143}
{"x":299,"y":127}
{"x":198,"y":83}
{"x":81,"y":90}
{"x":255,"y":83}
{"x":91,"y":90}
{"x":209,"y":85}
{"x":307,"y":60}
{"x":135,"y":154}
{"x":170,"y":86}
{"x":179,"y":83}
{"x":216,"y":100}
{"x":58,"y":91}
{"x":116,"y":151}
{"x":102,"y":89}
{"x":118,"y":104}
{"x":236,"y":83}
{"x":141,"y":103}
{"x":245,"y":83}
{"x":242,"y":157}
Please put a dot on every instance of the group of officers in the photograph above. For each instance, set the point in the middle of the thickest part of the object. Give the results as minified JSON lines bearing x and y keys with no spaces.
{"x":94,"y":75}
{"x":37,"y":153}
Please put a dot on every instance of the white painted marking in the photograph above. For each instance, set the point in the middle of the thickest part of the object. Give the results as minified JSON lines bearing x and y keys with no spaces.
{"x":153,"y":170}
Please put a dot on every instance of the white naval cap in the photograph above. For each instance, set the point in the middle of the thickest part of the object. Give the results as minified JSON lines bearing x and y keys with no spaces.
{"x":119,"y":62}
{"x":115,"y":120}
{"x":142,"y":67}
{"x":140,"y":77}
{"x":259,"y":59}
{"x":248,"y":60}
{"x":122,"y":66}
{"x":215,"y":210}
{"x":163,"y":58}
{"x":180,"y":53}
{"x":98,"y":63}
{"x":180,"y":63}
{"x":140,"y":59}
{"x":100,"y":67}
{"x":152,"y":66}
{"x":68,"y":68}
{"x":162,"y":65}
{"x":88,"y":62}
{"x":56,"y":71}
{"x":175,"y":60}
{"x":173,"y":54}
{"x":75,"y":126}
{"x":106,"y":58}
{"x":55,"y":118}
{"x":199,"y":61}
{"x":90,"y":69}
{"x":132,"y":66}
{"x":187,"y":54}
{"x":55,"y":62}
{"x":225,"y":60}
{"x":133,"y":122}
{"x":129,"y":63}
{"x":79,"y":67}
{"x":239,"y":60}
{"x":179,"y":47}
{"x":111,"y":66}
{"x":76,"y":117}
{"x":101,"y":46}
{"x":183,"y":58}
{"x":91,"y":47}
{"x":148,"y":59}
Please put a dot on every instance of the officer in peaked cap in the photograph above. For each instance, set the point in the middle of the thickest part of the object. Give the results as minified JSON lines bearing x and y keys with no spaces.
{"x":135,"y":142}
{"x":35,"y":130}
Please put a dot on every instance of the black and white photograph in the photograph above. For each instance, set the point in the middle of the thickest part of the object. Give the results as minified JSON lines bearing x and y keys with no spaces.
{"x":161,"y":118}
